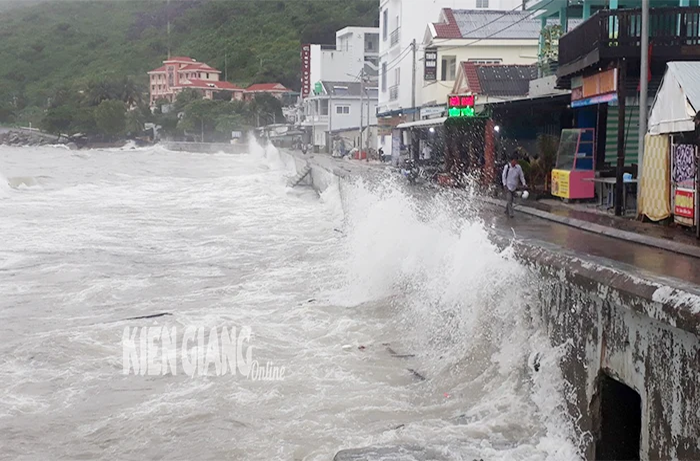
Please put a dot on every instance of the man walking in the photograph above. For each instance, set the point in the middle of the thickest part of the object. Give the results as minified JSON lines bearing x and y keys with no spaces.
{"x":512,"y":172}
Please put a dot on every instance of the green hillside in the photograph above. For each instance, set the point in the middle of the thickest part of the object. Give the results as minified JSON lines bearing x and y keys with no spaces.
{"x":59,"y":44}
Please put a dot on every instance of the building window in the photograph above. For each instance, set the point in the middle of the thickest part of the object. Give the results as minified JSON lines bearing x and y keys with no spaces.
{"x":324,"y":107}
{"x":449,"y":68}
{"x":482,"y":3}
{"x":385,"y":25}
{"x":383,"y":76}
{"x":340,"y":110}
{"x":397,"y":76}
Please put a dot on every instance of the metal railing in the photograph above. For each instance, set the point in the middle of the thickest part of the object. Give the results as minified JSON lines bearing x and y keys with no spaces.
{"x":617,"y":33}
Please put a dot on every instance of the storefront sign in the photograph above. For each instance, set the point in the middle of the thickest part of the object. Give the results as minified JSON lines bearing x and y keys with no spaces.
{"x":560,"y":183}
{"x":305,"y":70}
{"x":684,"y":204}
{"x":604,"y":99}
{"x":460,"y":105}
{"x":431,"y":111}
{"x":599,"y":88}
{"x":430,"y":64}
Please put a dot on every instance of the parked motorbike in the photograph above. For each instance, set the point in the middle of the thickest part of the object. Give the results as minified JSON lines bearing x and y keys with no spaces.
{"x":410,"y":171}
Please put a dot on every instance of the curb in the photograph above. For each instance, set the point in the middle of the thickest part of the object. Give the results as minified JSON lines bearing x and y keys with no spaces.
{"x":674,"y":247}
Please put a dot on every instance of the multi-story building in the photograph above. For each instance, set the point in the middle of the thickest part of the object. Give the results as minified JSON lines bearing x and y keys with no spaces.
{"x":332,"y":97}
{"x":341,"y":107}
{"x":180,"y":73}
{"x":402,"y":25}
{"x":355,"y":49}
{"x":478,"y":37}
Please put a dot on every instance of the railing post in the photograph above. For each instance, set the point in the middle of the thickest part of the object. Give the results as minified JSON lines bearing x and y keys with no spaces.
{"x":621,"y":94}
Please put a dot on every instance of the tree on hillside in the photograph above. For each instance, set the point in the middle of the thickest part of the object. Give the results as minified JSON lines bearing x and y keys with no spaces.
{"x":57,"y":120}
{"x":110,"y":117}
{"x":266,"y":109}
{"x":101,"y":90}
{"x":200,"y":115}
{"x":135,"y":120}
{"x":130,"y":92}
{"x":185,"y":97}
{"x":7,"y":114}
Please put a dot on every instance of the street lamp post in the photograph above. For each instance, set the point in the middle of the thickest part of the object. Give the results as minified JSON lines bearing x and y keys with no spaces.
{"x":643,"y":90}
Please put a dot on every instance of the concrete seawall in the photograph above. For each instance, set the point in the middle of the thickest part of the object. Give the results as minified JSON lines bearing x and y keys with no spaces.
{"x":631,"y":343}
{"x":206,"y":147}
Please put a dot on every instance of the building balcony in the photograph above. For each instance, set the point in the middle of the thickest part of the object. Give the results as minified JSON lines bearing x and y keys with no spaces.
{"x":395,"y":36}
{"x":394,"y":93}
{"x":674,"y":34}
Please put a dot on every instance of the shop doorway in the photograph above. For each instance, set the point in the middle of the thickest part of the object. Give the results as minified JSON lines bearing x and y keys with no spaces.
{"x":619,"y":421}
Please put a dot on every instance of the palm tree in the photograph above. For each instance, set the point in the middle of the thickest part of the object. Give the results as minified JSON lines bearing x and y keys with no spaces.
{"x":97,"y":91}
{"x":131,"y":92}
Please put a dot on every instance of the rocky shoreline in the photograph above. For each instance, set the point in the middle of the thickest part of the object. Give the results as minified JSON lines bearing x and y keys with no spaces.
{"x":19,"y":137}
{"x":25,"y":137}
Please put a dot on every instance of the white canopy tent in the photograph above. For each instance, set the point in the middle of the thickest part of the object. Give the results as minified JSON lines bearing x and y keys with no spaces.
{"x":677,"y":101}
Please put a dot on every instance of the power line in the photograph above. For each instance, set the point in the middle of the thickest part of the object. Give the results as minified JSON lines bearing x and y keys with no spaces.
{"x":399,"y":57}
{"x":497,"y":32}
{"x":495,"y":20}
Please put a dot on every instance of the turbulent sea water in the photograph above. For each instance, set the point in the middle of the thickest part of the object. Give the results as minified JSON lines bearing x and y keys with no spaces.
{"x":329,"y":286}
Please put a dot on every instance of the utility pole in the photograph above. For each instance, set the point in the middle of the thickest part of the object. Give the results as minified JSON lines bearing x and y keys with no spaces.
{"x":643,"y":93}
{"x":413,"y":80}
{"x":330,"y":120}
{"x":226,"y":67}
{"x":362,"y":92}
{"x":369,"y":104}
{"x":619,"y":185}
{"x":202,"y":120}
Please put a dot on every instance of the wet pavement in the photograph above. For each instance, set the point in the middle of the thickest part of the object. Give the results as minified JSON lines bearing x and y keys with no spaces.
{"x":675,"y":233}
{"x":601,"y":249}
{"x":635,"y":258}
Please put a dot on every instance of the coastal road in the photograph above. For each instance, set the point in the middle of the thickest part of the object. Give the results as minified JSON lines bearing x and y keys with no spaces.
{"x":620,"y":254}
{"x":624,"y":255}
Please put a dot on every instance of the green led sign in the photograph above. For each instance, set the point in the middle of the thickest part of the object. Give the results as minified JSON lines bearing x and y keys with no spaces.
{"x":460,"y":105}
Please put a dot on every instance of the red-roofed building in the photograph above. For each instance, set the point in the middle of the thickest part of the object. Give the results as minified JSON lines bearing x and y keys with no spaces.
{"x":179,"y":73}
{"x":462,"y":41}
{"x":275,"y":89}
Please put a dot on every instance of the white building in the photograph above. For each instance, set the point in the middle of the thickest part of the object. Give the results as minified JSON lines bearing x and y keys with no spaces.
{"x":400,"y":23}
{"x":338,"y":107}
{"x":479,"y":37}
{"x":355,"y":48}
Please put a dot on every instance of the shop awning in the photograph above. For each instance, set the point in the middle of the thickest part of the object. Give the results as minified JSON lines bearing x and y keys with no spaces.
{"x":422,"y":123}
{"x":677,"y":101}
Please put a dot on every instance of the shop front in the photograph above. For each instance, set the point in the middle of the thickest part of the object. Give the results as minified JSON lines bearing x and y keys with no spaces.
{"x":449,"y":148}
{"x":581,"y":168}
{"x":670,"y":179}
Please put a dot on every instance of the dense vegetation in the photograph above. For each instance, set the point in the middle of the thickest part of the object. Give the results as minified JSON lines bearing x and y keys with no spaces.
{"x":111,"y":109}
{"x":68,"y":46}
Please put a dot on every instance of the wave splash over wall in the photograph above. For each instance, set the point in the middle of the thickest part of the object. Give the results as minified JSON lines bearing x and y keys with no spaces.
{"x":469,"y":312}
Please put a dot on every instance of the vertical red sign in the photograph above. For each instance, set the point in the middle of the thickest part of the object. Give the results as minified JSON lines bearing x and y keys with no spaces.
{"x":305,"y":70}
